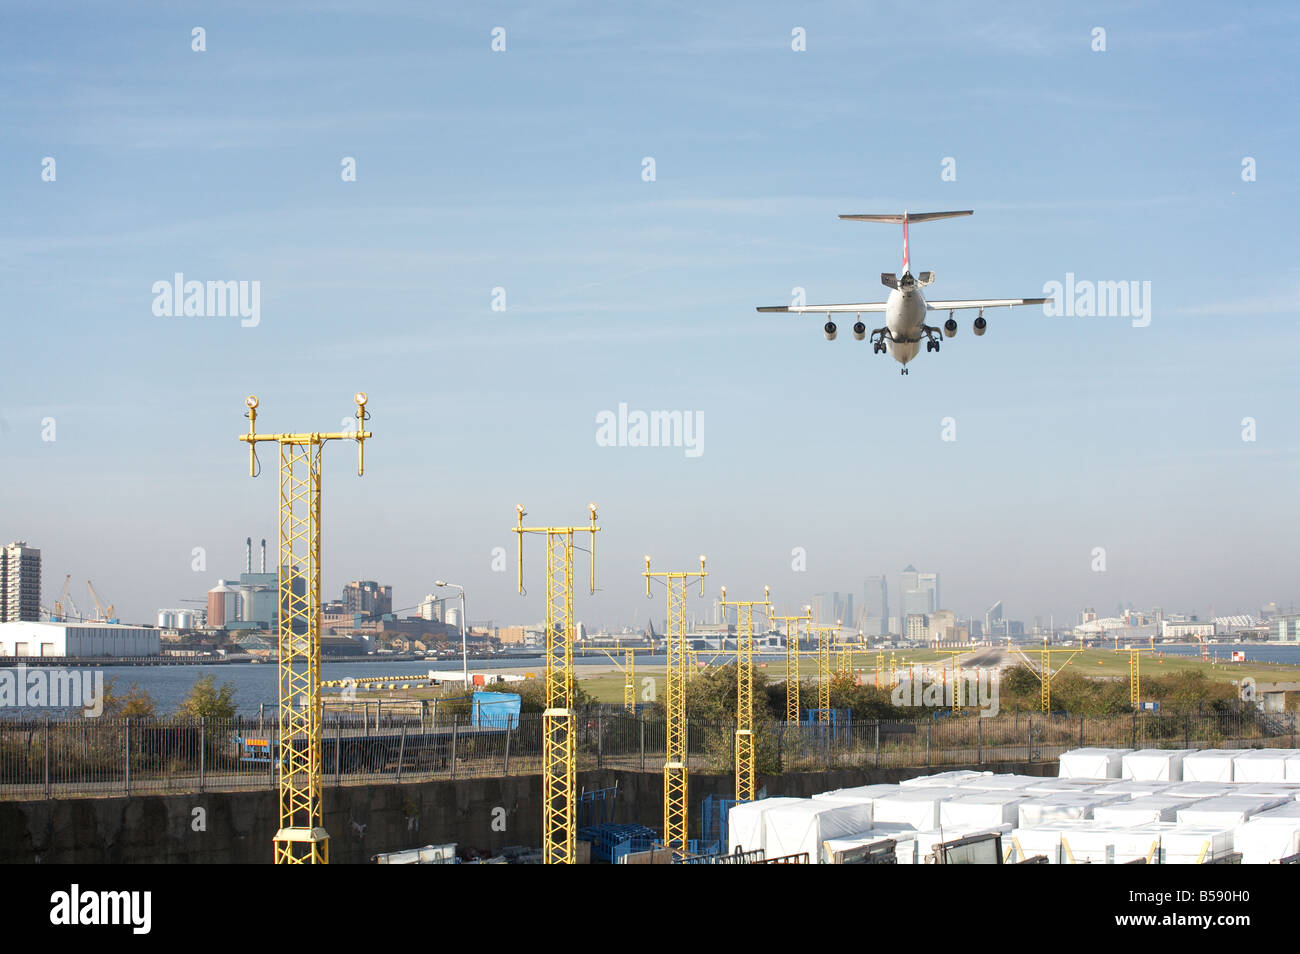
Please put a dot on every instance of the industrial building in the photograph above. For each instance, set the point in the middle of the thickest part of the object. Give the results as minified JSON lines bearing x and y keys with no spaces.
{"x":78,"y":640}
{"x":368,"y":598}
{"x":20,"y":583}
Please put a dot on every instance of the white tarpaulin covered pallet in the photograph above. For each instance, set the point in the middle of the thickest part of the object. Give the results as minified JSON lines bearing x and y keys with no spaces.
{"x":1134,"y":789}
{"x":1227,"y":810}
{"x":1092,"y":763}
{"x":1269,"y":836}
{"x":945,"y":779}
{"x":1085,"y":841}
{"x":1049,"y":809}
{"x":1155,"y":765}
{"x":745,"y":823}
{"x":1142,"y":811}
{"x":918,"y":807}
{"x":981,"y":808}
{"x":803,"y":824}
{"x":1210,"y":765}
{"x":1266,"y":765}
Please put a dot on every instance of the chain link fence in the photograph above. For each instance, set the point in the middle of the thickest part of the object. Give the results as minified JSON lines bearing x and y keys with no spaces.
{"x":49,"y":758}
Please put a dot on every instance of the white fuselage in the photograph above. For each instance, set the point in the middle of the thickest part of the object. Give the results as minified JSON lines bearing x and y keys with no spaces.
{"x":904,"y":315}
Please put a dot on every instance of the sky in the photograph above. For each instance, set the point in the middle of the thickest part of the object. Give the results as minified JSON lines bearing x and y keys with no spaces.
{"x":518,"y":176}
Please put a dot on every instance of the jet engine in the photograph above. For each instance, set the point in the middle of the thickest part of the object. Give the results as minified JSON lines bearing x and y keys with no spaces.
{"x":829,"y":328}
{"x":980,"y":325}
{"x":950,"y":327}
{"x":859,"y":331}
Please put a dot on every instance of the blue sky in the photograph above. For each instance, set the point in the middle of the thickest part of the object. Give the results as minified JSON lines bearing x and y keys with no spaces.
{"x":522,"y":170}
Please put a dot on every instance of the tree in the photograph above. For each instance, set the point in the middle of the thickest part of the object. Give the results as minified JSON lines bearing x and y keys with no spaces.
{"x":135,"y":703}
{"x":205,"y":701}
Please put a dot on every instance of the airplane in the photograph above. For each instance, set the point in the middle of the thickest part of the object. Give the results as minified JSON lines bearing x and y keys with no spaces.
{"x":906,"y":307}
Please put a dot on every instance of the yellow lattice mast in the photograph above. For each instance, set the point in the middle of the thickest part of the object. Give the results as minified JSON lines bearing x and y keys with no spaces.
{"x":956,"y":655}
{"x":676,"y":787}
{"x":846,"y":659}
{"x":627,"y":667}
{"x":1134,"y":673}
{"x":301,"y":838}
{"x":1045,"y":674}
{"x":746,"y":779}
{"x":629,"y":680}
{"x":823,"y":634}
{"x":559,"y":746}
{"x":880,"y":664}
{"x":792,"y":661}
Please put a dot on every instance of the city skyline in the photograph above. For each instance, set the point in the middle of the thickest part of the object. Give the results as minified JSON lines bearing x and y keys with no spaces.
{"x":360,"y":593}
{"x":499,"y":299}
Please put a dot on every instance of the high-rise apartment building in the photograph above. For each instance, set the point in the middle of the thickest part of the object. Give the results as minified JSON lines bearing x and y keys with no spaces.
{"x":20,"y":583}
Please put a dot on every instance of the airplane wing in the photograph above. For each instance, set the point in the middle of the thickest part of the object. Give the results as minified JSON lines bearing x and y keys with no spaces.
{"x":825,"y":309}
{"x":983,"y":303}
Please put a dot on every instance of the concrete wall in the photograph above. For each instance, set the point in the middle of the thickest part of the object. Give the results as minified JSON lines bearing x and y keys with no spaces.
{"x":237,"y":827}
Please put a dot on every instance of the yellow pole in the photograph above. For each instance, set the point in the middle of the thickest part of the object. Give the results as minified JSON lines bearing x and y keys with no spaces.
{"x":559,"y":750}
{"x":301,"y":838}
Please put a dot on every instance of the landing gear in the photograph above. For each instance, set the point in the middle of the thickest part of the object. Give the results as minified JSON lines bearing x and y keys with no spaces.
{"x":904,"y":371}
{"x":878,"y":338}
{"x":932,"y":346}
{"x":932,"y":338}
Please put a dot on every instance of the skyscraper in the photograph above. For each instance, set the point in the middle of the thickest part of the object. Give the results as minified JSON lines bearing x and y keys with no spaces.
{"x":918,"y":592}
{"x":20,"y":583}
{"x":875,"y":606}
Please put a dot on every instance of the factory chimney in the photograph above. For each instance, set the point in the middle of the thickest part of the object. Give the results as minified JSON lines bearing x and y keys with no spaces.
{"x":248,"y":554}
{"x":264,"y":554}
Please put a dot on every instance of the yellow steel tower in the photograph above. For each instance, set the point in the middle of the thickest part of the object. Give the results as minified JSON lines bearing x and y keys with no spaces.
{"x":1134,"y":673}
{"x":1045,"y":674}
{"x":792,"y":662}
{"x":746,"y":779}
{"x":957,"y":687}
{"x":676,"y":794}
{"x":559,"y":749}
{"x":628,"y":668}
{"x":302,"y":838}
{"x":823,"y":634}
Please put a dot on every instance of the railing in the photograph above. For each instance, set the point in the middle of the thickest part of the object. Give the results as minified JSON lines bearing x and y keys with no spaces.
{"x":58,"y":758}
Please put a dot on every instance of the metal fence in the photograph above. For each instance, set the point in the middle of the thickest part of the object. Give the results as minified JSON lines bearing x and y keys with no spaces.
{"x":51,"y":758}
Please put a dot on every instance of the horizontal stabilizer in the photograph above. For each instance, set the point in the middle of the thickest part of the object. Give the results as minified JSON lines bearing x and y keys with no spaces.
{"x":897,"y":219}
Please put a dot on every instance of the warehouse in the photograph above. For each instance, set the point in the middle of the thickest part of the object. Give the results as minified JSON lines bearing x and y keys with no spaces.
{"x":77,"y":640}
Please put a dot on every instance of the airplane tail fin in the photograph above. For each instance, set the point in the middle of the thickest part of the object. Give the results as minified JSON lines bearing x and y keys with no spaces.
{"x":904,"y":218}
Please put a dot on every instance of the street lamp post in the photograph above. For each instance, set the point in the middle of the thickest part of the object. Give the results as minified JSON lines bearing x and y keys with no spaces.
{"x":464,"y":654}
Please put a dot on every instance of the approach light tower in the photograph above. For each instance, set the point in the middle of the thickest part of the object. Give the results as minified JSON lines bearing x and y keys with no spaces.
{"x":676,"y":794}
{"x":746,"y":780}
{"x":792,"y":662}
{"x":302,"y":838}
{"x":559,"y":748}
{"x":823,"y":634}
